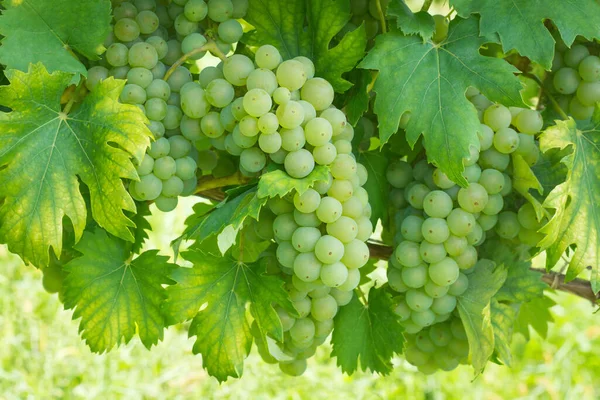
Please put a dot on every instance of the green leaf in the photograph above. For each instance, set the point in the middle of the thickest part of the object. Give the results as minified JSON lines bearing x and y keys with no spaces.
{"x":526,"y":32}
{"x":370,"y":332}
{"x":576,"y":219}
{"x":142,"y":226}
{"x":535,"y":313}
{"x":503,"y":320}
{"x":410,"y":23}
{"x":113,"y":296}
{"x":200,"y":212}
{"x":214,"y":293}
{"x":49,"y":31}
{"x":524,"y":180}
{"x":358,"y":96}
{"x":429,"y":81}
{"x":279,"y":183}
{"x":377,"y":186}
{"x":474,"y":309}
{"x":281,"y":23}
{"x":45,"y":153}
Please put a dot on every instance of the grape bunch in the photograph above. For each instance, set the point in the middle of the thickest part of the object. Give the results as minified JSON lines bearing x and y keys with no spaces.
{"x":576,"y":76}
{"x":147,"y":39}
{"x":439,"y":225}
{"x":320,"y":236}
{"x":441,"y":346}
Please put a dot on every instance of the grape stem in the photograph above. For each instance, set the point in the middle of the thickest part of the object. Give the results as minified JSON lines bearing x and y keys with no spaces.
{"x":555,"y":104}
{"x":74,"y":96}
{"x":426,"y":5}
{"x":206,"y":185}
{"x":381,"y":16}
{"x":209,"y":46}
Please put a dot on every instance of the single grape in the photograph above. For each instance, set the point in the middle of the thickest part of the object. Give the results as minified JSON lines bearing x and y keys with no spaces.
{"x":286,"y":254}
{"x":432,"y":252}
{"x":318,"y":131}
{"x":343,"y":167}
{"x":133,"y":94}
{"x":237,"y":68}
{"x":284,"y":226}
{"x":418,"y":300}
{"x":317,"y":91}
{"x":300,"y":163}
{"x":329,"y":210}
{"x":508,"y":225}
{"x":291,"y":75}
{"x":441,"y":180}
{"x":179,"y":78}
{"x":307,"y":267}
{"x":399,"y":174}
{"x":435,"y":230}
{"x":142,"y":55}
{"x":268,"y":57}
{"x":473,"y":198}
{"x":444,"y":272}
{"x":117,"y":55}
{"x":492,"y":158}
{"x":497,"y":117}
{"x":575,"y":55}
{"x":253,"y":159}
{"x":438,"y":204}
{"x":290,"y":114}
{"x":220,"y":10}
{"x":230,"y":31}
{"x":257,"y":102}
{"x":308,"y":201}
{"x":415,"y":277}
{"x":195,"y":10}
{"x":566,"y":80}
{"x":126,"y":30}
{"x":211,"y":125}
{"x":529,"y":122}
{"x":588,"y":93}
{"x":166,"y":204}
{"x":411,"y":228}
{"x":149,"y":187}
{"x":304,"y":239}
{"x":345,"y":229}
{"x":407,"y":253}
{"x":325,"y":155}
{"x":580,"y":111}
{"x":147,"y":21}
{"x":270,"y":143}
{"x":506,"y":140}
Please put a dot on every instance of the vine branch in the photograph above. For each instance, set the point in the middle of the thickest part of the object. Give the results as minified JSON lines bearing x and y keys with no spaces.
{"x":426,"y":5}
{"x":209,"y":46}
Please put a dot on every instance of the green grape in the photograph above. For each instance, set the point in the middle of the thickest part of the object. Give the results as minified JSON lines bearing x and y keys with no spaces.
{"x":497,"y":117}
{"x":438,"y":204}
{"x":308,"y":201}
{"x":341,"y":297}
{"x":249,"y":126}
{"x":508,"y":225}
{"x":506,"y":140}
{"x":527,"y":217}
{"x":117,"y":55}
{"x":262,"y":78}
{"x":172,"y":187}
{"x":492,"y":180}
{"x":298,"y":164}
{"x":147,"y":21}
{"x":158,"y":89}
{"x":418,"y":300}
{"x":411,"y":228}
{"x":304,"y":239}
{"x":193,"y":43}
{"x":230,"y":31}
{"x":245,"y":142}
{"x":529,"y":122}
{"x":323,"y":186}
{"x":160,"y":45}
{"x":455,"y":245}
{"x":180,"y":146}
{"x":566,"y":80}
{"x":291,"y":74}
{"x":139,"y":76}
{"x":580,"y":111}
{"x":324,"y":308}
{"x":306,"y":219}
{"x":195,"y":10}
{"x":573,"y":56}
{"x":225,"y":48}
{"x":347,"y":133}
{"x":279,"y":156}
{"x":329,"y":249}
{"x":325,"y":155}
{"x":280,"y":206}
{"x":588,"y":93}
{"x":281,"y":95}
{"x":145,"y":5}
{"x":253,"y":159}
{"x":318,"y":132}
{"x":589,"y":69}
{"x":317,"y":91}
{"x":530,"y":237}
{"x":307,"y":267}
{"x":440,"y":334}
{"x":341,"y":190}
{"x":486,"y":137}
{"x":173,"y":53}
{"x":494,"y":205}
{"x":416,"y":195}
{"x":208,"y":74}
{"x":432,"y":252}
{"x":473,"y":156}
{"x":435,"y":291}
{"x":353,"y":278}
{"x":399,"y":174}
{"x":164,"y":167}
{"x":149,"y":187}
{"x":172,"y":118}
{"x":95,"y":76}
{"x":146,"y":165}
{"x":473,"y":198}
{"x":186,"y":168}
{"x":257,"y":102}
{"x":220,"y":10}
{"x":472,"y":173}
{"x":329,"y":209}
{"x":227,"y":119}
{"x":415,"y":277}
{"x":159,"y":148}
{"x":268,"y":57}
{"x":268,"y":123}
{"x":355,"y":206}
{"x":290,"y":114}
{"x":444,"y":272}
{"x":179,"y":78}
{"x":240,"y":7}
{"x":286,"y":254}
{"x":126,"y":30}
{"x":185,"y":27}
{"x":394,"y":277}
{"x":492,"y":158}
{"x":124,"y":10}
{"x":156,"y":109}
{"x":441,"y":180}
{"x":309,"y":66}
{"x":459,"y":286}
{"x":166,"y":204}
{"x":440,"y":32}
{"x":237,"y":68}
{"x":444,"y":305}
{"x":487,"y":222}
{"x":142,"y":55}
{"x":345,"y":229}
{"x":343,"y":167}
{"x":284,"y":226}
{"x":407,"y":253}
{"x":133,"y":94}
{"x":194,"y":101}
{"x":435,"y":230}
{"x":211,"y":125}
{"x":220,"y":93}
{"x":270,"y":143}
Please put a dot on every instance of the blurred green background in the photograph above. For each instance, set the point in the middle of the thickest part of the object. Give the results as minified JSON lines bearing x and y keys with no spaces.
{"x":42,"y":357}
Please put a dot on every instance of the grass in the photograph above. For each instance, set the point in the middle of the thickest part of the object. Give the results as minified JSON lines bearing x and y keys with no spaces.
{"x":42,"y":357}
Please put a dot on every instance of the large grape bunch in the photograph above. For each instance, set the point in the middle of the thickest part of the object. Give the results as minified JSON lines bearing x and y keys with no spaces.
{"x":148,"y":38}
{"x":576,"y":76}
{"x":439,"y":225}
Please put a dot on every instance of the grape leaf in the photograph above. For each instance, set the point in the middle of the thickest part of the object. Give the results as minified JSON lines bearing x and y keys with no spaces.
{"x":200,"y":212}
{"x":358,"y":95}
{"x":44,"y":152}
{"x":524,"y":180}
{"x":410,"y":23}
{"x":142,"y":226}
{"x":281,"y":23}
{"x":214,"y":294}
{"x":429,"y":81}
{"x":526,"y":32}
{"x":370,"y":332}
{"x":377,"y":186}
{"x":576,"y":219}
{"x":49,"y":31}
{"x":503,"y":319}
{"x":114,"y":296}
{"x":279,"y":183}
{"x":535,"y":313}
{"x":474,"y":309}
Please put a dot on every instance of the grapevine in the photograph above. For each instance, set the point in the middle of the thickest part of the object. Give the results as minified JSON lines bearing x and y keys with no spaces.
{"x":322,"y":142}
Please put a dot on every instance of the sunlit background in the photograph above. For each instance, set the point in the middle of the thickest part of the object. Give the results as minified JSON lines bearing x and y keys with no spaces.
{"x":42,"y":357}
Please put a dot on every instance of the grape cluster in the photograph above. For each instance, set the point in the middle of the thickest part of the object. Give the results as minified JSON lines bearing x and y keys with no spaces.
{"x":577,"y":78}
{"x":146,"y":40}
{"x":441,"y":346}
{"x":440,"y":225}
{"x":320,"y":237}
